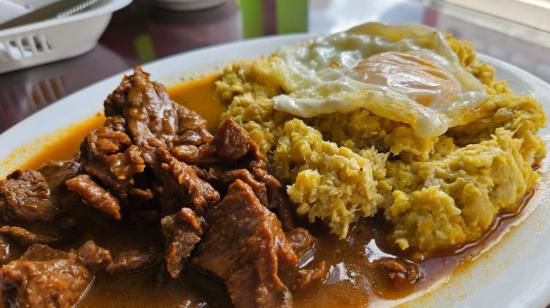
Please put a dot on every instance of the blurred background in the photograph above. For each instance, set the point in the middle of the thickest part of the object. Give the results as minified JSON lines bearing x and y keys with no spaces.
{"x":516,"y":31}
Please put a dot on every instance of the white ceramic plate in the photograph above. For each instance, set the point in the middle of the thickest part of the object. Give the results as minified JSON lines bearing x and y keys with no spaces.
{"x":514,"y":273}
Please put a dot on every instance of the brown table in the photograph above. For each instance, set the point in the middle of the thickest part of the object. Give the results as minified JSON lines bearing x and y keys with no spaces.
{"x":142,"y":32}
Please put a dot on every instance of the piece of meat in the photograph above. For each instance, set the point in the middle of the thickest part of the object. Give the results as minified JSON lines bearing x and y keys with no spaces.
{"x":110,"y":157}
{"x":278,"y":199}
{"x":55,"y":279}
{"x":400,"y":273}
{"x":95,"y":195}
{"x":230,"y":144}
{"x":129,"y":261}
{"x":5,"y":252}
{"x":221,"y":179}
{"x":243,"y":245}
{"x":57,"y":172}
{"x":285,"y":210}
{"x":306,"y":276}
{"x":25,"y":196}
{"x":40,"y":252}
{"x":192,"y":128}
{"x":116,"y":123}
{"x":193,"y":154}
{"x":301,"y":241}
{"x":152,"y":119}
{"x":303,"y":274}
{"x":260,"y":169}
{"x":182,"y":231}
{"x":180,"y":185}
{"x":94,"y":256}
{"x":26,"y":237}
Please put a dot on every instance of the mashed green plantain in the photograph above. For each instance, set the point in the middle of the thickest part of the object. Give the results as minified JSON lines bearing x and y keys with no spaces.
{"x":437,"y":192}
{"x":441,"y":203}
{"x":330,"y":182}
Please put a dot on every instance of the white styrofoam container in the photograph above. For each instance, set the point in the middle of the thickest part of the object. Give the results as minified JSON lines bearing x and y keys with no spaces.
{"x":55,"y":39}
{"x":188,"y":5}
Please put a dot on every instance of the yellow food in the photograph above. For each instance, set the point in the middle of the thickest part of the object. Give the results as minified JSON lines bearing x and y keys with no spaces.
{"x":437,"y":190}
{"x":442,"y":203}
{"x":331,"y":183}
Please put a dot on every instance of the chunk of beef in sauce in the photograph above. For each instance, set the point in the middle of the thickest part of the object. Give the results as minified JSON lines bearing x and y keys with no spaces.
{"x":399,"y":273}
{"x":45,"y":277}
{"x":180,"y":186}
{"x":301,"y":241}
{"x":95,"y":195}
{"x":25,"y":197}
{"x":243,"y":245}
{"x":221,"y":179}
{"x":230,"y":144}
{"x":93,"y":256}
{"x":152,"y":119}
{"x":131,"y":260}
{"x":57,"y":172}
{"x":306,"y":276}
{"x":182,"y":231}
{"x":110,"y":157}
{"x":303,"y":274}
{"x":231,"y":147}
{"x":26,"y":237}
{"x":141,"y":119}
{"x":6,"y":253}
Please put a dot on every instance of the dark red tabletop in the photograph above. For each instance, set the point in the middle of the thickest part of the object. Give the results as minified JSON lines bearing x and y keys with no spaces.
{"x":142,"y":32}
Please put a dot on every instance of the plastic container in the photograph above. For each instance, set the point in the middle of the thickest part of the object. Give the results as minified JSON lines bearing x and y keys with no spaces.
{"x":55,"y":39}
{"x":188,"y":5}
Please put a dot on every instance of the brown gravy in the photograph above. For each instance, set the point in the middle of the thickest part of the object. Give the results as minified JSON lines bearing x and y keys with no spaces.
{"x":351,"y":280}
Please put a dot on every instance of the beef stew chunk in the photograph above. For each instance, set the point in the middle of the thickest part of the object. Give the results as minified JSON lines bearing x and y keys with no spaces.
{"x":181,"y":186}
{"x":301,"y":241}
{"x":306,"y":276}
{"x":131,"y":260}
{"x":243,"y":245}
{"x":94,"y":256}
{"x":230,"y":144}
{"x":399,"y":272}
{"x":304,"y":273}
{"x":44,"y":277}
{"x":222,"y":179}
{"x":130,"y":155}
{"x":230,"y":148}
{"x":26,"y":237}
{"x":25,"y":197}
{"x":57,"y":172}
{"x":182,"y":231}
{"x":109,"y":156}
{"x":152,"y":119}
{"x":5,"y":250}
{"x":95,"y":195}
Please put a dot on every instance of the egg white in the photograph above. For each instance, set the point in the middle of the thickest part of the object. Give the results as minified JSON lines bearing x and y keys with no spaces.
{"x":320,"y":77}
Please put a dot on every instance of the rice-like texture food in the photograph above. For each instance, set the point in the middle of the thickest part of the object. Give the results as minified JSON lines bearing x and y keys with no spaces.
{"x":460,"y":194}
{"x":330,"y":182}
{"x":330,"y":119}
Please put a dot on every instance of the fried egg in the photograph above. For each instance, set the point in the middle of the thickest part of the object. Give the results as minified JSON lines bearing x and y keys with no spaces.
{"x":405,"y":73}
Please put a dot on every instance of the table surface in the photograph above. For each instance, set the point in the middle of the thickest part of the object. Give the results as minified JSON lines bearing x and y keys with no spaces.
{"x":143,"y":32}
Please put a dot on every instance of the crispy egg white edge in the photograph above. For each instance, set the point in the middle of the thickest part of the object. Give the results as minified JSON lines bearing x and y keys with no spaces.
{"x":316,"y":88}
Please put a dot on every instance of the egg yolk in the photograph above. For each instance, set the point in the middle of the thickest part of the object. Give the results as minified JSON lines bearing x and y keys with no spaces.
{"x":417,"y":78}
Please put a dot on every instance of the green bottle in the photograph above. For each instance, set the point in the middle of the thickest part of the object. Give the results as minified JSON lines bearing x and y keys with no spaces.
{"x":268,"y":17}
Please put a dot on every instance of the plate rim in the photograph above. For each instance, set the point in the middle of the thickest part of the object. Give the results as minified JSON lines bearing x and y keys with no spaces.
{"x":27,"y":124}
